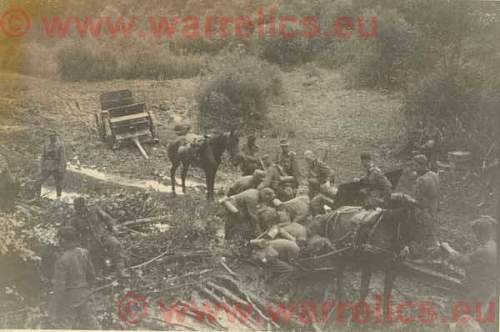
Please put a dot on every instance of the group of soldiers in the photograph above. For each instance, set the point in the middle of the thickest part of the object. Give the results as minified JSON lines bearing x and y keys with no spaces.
{"x":262,"y":205}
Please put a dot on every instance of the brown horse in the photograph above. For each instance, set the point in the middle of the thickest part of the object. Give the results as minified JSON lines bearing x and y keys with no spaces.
{"x":207,"y":157}
{"x":372,"y":241}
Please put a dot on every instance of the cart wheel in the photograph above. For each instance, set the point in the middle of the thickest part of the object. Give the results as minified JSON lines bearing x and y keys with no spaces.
{"x":101,"y":130}
{"x":152,"y":129}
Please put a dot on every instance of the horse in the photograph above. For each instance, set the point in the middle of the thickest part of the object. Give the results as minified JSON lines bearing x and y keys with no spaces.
{"x":207,"y":157}
{"x":374,"y":242}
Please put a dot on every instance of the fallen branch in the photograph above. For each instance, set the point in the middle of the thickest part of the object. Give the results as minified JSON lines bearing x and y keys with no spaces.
{"x":172,"y":258}
{"x":141,"y":221}
{"x":231,"y":272}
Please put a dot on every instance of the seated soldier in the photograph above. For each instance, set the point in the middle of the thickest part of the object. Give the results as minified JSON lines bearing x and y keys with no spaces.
{"x":480,"y":265}
{"x":246,"y":182}
{"x":320,"y":176}
{"x":243,"y":209}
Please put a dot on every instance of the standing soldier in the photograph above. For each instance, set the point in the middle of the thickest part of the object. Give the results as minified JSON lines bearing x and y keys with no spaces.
{"x":53,"y":163}
{"x":73,"y":279}
{"x":379,"y":188}
{"x":287,"y":160}
{"x":427,"y":195}
{"x":96,"y":230}
{"x":7,"y":186}
{"x":250,"y":161}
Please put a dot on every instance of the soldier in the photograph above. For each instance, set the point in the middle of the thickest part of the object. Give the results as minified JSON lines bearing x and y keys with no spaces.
{"x":53,"y":163}
{"x":480,"y":265}
{"x":96,"y":230}
{"x":245,"y":207}
{"x":297,"y":208}
{"x":73,"y":279}
{"x":427,"y":193}
{"x":379,"y":188}
{"x":246,"y":182}
{"x":287,"y":160}
{"x":277,"y":254}
{"x":7,"y":186}
{"x":320,"y":176}
{"x":250,"y":160}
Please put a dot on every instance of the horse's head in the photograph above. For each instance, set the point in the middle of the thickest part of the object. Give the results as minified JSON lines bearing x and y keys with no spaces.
{"x":232,"y":141}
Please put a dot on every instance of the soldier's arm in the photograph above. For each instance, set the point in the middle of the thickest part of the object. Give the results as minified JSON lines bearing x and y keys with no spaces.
{"x":59,"y":285}
{"x":106,"y":218}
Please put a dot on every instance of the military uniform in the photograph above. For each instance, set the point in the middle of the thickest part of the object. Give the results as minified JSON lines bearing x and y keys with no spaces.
{"x":379,"y":188}
{"x":95,"y":227}
{"x":277,"y":254}
{"x":288,"y":162}
{"x":73,"y":278}
{"x":250,"y":160}
{"x":297,"y":208}
{"x":319,"y":175}
{"x":247,"y":218}
{"x":427,"y":193}
{"x":242,"y":184}
{"x":7,"y":186}
{"x":53,"y":164}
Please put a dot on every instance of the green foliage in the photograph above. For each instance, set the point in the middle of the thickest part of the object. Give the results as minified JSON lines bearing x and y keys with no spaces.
{"x":237,"y":92}
{"x":78,"y":62}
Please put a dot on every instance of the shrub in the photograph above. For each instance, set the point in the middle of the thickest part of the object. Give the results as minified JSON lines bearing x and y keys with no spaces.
{"x":79,"y":62}
{"x":237,"y":93}
{"x":381,"y":62}
{"x":457,"y":101}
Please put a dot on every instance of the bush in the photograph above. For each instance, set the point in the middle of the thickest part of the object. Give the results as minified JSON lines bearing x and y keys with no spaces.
{"x":79,"y":62}
{"x":457,"y":101}
{"x":237,"y":93}
{"x":381,"y":62}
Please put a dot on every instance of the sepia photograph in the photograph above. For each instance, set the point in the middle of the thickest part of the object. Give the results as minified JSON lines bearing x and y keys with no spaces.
{"x":250,"y":165}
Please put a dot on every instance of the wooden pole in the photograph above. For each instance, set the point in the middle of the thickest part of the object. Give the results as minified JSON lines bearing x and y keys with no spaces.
{"x":139,"y":146}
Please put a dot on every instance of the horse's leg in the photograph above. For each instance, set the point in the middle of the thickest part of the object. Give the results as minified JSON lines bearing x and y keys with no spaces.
{"x":366,"y":274}
{"x":339,"y":291}
{"x":390,"y":275}
{"x":210,"y":179}
{"x":185,"y":168}
{"x":173,"y":169}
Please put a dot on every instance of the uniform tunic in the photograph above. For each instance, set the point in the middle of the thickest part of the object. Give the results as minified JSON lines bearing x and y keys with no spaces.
{"x":480,"y":271}
{"x":379,"y":187}
{"x":250,"y":161}
{"x":73,"y":277}
{"x":288,"y":161}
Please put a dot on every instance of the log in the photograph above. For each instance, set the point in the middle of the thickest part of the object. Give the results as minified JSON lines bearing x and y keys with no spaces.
{"x":141,"y":221}
{"x":222,"y":302}
{"x":431,"y":277}
{"x":242,"y":294}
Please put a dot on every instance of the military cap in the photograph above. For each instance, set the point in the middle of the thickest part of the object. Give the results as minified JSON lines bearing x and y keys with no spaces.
{"x":284,"y":142}
{"x":309,"y":155}
{"x":266,"y":192}
{"x":365,"y":156}
{"x":421,"y":159}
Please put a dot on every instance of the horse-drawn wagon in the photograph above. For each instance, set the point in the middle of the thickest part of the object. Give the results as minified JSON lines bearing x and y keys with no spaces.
{"x":121,"y":118}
